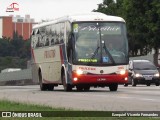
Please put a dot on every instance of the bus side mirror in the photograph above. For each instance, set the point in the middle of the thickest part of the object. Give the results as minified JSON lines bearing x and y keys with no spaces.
{"x":70,"y":40}
{"x":70,"y":47}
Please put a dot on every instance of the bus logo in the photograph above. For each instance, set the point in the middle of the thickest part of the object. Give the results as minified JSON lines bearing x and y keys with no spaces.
{"x":12,"y":7}
{"x":6,"y":114}
{"x":101,"y":71}
{"x":50,"y":54}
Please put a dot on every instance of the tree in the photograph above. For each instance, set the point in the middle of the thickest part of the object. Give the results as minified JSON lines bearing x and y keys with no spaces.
{"x":14,"y":52}
{"x":153,"y":24}
{"x":134,"y":13}
{"x":108,"y":7}
{"x":5,"y":47}
{"x":142,"y":19}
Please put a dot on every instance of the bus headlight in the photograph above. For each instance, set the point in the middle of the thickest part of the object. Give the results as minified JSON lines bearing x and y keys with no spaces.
{"x":122,"y":72}
{"x":79,"y":72}
{"x":156,"y":75}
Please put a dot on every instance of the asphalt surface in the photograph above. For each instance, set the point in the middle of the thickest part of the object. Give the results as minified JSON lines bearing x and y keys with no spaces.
{"x":140,"y":98}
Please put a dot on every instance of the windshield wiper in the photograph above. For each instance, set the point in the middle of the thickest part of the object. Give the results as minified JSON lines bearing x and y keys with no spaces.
{"x":108,"y":53}
{"x":95,"y":52}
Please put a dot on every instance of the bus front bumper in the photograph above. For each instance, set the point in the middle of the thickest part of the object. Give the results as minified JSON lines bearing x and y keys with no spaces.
{"x":99,"y":79}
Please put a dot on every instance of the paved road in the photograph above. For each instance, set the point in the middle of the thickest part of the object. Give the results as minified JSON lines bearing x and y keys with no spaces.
{"x":140,"y":98}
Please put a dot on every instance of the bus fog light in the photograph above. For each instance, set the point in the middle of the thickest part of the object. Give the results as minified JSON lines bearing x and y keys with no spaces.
{"x":125,"y":78}
{"x":75,"y":79}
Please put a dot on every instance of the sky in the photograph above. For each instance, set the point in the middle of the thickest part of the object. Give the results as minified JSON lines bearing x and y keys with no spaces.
{"x":48,"y":9}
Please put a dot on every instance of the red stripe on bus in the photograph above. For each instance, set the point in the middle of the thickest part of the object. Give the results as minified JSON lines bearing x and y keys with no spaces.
{"x":95,"y":79}
{"x":61,"y":55}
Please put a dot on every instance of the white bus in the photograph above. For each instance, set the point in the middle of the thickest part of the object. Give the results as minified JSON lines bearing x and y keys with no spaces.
{"x":82,"y":51}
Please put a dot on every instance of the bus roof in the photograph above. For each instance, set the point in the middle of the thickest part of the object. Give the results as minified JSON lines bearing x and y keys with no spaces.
{"x":93,"y":16}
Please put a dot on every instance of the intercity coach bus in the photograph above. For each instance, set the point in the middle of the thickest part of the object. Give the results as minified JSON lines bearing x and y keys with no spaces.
{"x":81,"y":51}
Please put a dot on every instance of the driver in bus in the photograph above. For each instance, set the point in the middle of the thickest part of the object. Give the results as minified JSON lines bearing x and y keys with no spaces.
{"x":89,"y":52}
{"x":110,"y":48}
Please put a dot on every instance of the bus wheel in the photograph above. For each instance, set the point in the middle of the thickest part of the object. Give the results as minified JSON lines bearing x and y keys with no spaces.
{"x":42,"y":86}
{"x":50,"y":87}
{"x":66,"y":86}
{"x":113,"y":87}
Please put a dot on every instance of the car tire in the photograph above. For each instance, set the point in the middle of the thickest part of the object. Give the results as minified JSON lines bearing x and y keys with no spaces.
{"x":157,"y":84}
{"x":134,"y":83}
{"x":148,"y":84}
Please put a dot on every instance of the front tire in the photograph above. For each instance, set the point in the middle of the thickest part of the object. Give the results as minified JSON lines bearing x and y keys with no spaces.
{"x":43,"y":87}
{"x":67,"y":87}
{"x":113,"y":87}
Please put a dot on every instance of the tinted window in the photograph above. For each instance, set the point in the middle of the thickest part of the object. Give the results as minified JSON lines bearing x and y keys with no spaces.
{"x":144,"y":66}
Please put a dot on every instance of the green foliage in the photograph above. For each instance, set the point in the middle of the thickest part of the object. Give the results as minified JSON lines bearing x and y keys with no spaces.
{"x":15,"y":48}
{"x":143,"y":22}
{"x":108,"y":7}
{"x":12,"y":62}
{"x":6,"y":105}
{"x":16,"y":106}
{"x":14,"y":53}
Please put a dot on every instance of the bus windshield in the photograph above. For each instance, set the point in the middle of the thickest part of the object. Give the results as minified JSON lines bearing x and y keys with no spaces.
{"x":100,"y":43}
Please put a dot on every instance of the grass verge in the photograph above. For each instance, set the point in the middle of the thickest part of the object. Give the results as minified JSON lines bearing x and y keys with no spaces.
{"x":23,"y":108}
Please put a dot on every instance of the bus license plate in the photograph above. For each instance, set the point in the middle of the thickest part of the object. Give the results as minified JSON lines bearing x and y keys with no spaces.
{"x":101,"y":79}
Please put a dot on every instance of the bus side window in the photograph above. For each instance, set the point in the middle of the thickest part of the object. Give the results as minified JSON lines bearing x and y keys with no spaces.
{"x":41,"y":42}
{"x":38,"y":42}
{"x":57,"y":40}
{"x":52,"y":41}
{"x":61,"y":40}
{"x":47,"y":42}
